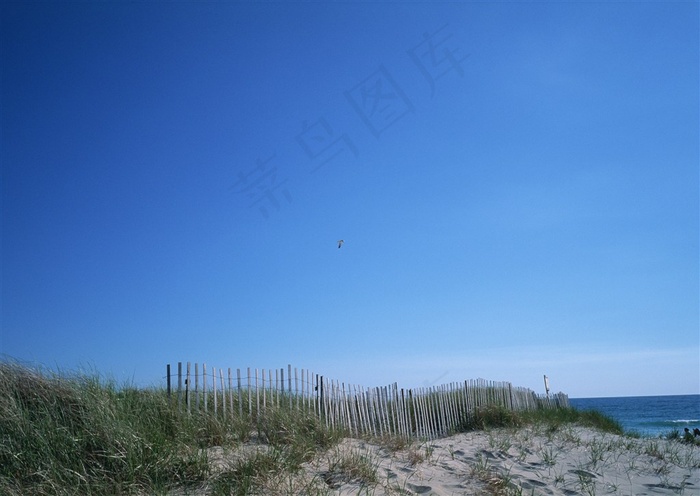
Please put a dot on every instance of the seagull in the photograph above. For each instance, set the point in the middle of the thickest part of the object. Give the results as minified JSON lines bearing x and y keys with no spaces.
{"x":340,"y":243}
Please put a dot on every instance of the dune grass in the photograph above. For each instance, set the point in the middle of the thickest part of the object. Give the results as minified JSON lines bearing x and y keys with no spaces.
{"x":552,"y":418}
{"x":77,"y":434}
{"x":81,"y":434}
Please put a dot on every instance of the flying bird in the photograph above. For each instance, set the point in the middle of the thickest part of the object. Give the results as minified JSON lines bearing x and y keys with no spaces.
{"x":340,"y":243}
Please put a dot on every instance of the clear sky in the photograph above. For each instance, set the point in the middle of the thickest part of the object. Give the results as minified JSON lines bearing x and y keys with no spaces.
{"x":516,"y":185}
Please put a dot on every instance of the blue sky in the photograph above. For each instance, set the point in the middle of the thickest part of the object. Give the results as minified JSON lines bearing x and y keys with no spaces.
{"x":516,"y":185}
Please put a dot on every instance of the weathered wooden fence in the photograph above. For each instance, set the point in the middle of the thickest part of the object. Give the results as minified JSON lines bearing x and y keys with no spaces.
{"x":427,"y":412}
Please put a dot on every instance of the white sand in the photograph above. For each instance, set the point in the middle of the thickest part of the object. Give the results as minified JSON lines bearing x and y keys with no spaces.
{"x":527,"y":461}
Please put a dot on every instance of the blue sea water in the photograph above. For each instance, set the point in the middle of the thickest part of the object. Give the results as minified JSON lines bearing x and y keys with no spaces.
{"x":650,"y":416}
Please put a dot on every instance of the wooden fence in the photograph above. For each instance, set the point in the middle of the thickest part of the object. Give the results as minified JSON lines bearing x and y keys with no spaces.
{"x":427,"y":412}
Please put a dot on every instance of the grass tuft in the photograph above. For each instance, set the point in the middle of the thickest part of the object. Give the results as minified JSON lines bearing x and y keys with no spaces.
{"x":493,"y":417}
{"x":554,"y":419}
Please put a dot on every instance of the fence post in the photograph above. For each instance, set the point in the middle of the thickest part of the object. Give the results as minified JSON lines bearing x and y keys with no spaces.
{"x":179,"y":386}
{"x":167,"y":378}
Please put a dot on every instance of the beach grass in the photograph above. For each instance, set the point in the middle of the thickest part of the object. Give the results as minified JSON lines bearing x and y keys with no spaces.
{"x":79,"y":434}
{"x":82,"y":434}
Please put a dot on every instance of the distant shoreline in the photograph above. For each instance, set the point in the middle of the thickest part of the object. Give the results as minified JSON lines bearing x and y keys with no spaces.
{"x":648,"y":416}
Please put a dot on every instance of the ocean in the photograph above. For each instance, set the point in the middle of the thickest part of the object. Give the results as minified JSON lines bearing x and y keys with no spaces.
{"x":649,"y":416}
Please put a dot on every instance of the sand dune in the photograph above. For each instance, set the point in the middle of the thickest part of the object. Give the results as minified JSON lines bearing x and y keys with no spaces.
{"x":527,"y":461}
{"x":569,"y":461}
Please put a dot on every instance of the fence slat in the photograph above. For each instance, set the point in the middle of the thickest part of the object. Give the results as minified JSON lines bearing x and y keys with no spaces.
{"x":213,"y":377}
{"x":230,"y":393}
{"x":240,"y":399}
{"x":187,"y":388}
{"x":179,"y":386}
{"x":223,"y":392}
{"x":196,"y":386}
{"x":204,"y":385}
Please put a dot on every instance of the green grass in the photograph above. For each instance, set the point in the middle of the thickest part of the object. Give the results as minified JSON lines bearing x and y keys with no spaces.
{"x":554,"y":419}
{"x":81,"y":434}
